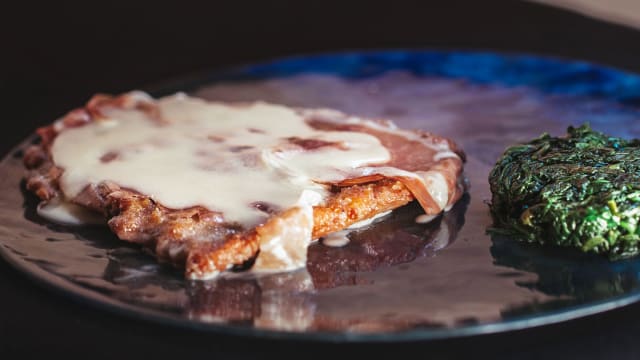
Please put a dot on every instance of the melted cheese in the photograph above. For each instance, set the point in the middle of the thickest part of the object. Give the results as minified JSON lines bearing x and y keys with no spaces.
{"x":225,"y":158}
{"x":424,"y":218}
{"x":336,"y":239}
{"x":66,"y":213}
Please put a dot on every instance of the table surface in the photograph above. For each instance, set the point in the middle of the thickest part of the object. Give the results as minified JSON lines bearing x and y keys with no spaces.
{"x":57,"y":55}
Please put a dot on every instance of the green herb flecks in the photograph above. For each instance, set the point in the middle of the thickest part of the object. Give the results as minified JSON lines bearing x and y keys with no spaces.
{"x":581,"y":190}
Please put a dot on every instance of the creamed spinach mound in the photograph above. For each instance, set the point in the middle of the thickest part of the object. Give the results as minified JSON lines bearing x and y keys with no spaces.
{"x":581,"y":190}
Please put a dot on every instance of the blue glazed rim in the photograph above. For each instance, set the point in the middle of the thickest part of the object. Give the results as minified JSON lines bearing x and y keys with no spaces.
{"x":480,"y":67}
{"x":510,"y":69}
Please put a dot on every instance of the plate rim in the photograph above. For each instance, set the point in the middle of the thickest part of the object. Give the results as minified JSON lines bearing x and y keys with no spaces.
{"x":188,"y":82}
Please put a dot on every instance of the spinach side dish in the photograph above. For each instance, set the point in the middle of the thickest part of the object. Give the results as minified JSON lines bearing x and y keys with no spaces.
{"x":581,"y":190}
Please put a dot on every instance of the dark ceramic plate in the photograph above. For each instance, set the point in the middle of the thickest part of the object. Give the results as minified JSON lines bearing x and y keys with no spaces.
{"x":396,"y":280}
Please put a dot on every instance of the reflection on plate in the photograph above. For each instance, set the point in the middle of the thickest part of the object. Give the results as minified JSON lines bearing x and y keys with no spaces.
{"x":395,"y":280}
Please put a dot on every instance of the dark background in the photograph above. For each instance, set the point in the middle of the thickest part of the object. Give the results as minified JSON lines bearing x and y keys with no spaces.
{"x":55,"y":55}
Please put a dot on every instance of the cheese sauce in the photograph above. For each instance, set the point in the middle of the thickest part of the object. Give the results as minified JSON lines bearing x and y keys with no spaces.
{"x":66,"y":213}
{"x":225,"y":158}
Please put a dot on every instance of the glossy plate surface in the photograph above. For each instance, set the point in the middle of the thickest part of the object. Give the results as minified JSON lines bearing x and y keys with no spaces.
{"x":396,"y":280}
